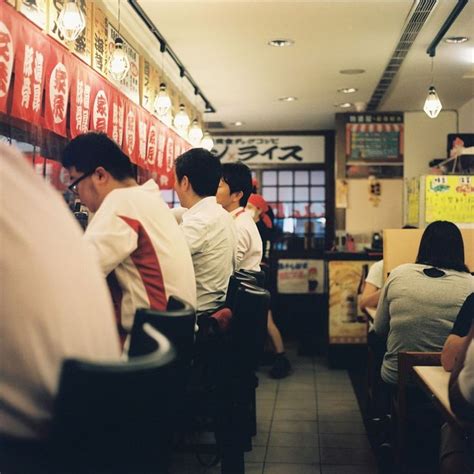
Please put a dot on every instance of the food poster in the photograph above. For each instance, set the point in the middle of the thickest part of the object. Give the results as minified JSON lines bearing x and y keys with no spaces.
{"x":449,"y":198}
{"x":347,"y":324}
{"x":300,"y":276}
{"x":82,"y":46}
{"x":34,"y":10}
{"x":99,"y":41}
{"x":129,"y":85}
{"x":412,"y":215}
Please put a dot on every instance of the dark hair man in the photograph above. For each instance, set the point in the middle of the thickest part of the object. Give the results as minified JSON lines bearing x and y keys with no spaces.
{"x":138,"y":243}
{"x":233,"y":193}
{"x":208,"y":229}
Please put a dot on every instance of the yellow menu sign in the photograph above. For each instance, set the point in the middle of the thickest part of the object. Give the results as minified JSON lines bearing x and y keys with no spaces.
{"x":449,"y":198}
{"x":413,"y":201}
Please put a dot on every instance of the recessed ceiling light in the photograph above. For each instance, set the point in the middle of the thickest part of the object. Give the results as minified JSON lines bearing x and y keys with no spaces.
{"x":237,"y":124}
{"x":344,"y":105}
{"x":347,"y":90}
{"x":281,"y":43}
{"x":287,"y":99}
{"x":456,"y":39}
{"x":352,"y":71}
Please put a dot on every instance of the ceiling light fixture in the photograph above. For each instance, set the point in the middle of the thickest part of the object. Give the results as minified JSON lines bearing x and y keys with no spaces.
{"x":195,"y":133}
{"x":237,"y":124}
{"x":344,"y":105}
{"x":352,"y":72}
{"x":348,"y":90}
{"x":288,"y":99}
{"x":456,"y":39}
{"x":207,"y":142}
{"x":162,"y":101}
{"x":432,"y":105}
{"x":71,"y":20}
{"x":281,"y":43}
{"x":119,"y":64}
{"x":181,"y":119}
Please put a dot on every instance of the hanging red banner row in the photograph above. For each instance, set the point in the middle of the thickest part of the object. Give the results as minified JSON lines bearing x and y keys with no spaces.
{"x":41,"y":66}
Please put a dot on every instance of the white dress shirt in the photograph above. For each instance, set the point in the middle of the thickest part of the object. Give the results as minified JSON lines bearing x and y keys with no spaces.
{"x":249,"y":242}
{"x":212,"y":240}
{"x":54,"y":302}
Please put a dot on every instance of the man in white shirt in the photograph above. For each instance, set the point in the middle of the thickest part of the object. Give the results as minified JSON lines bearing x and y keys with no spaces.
{"x":233,"y":193}
{"x":54,"y":300}
{"x":137,"y":241}
{"x":209,"y":229}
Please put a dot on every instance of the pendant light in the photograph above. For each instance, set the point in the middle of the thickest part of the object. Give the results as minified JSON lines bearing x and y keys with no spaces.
{"x":432,"y":105}
{"x":162,"y":101}
{"x":181,"y":119}
{"x":71,"y":20}
{"x":195,"y":133}
{"x":207,"y":142}
{"x":119,"y":65}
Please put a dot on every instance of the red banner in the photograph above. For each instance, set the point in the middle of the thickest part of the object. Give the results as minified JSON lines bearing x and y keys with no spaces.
{"x":94,"y":103}
{"x":130,"y":135}
{"x":81,"y":99}
{"x":31,"y":56}
{"x":116,"y":117}
{"x":7,"y":52}
{"x":143,"y":120}
{"x":58,"y":81}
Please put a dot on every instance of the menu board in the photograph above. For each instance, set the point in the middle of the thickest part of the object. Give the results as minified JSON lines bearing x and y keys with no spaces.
{"x":449,"y":198}
{"x":375,"y":145}
{"x":298,"y":276}
{"x":34,"y":11}
{"x":100,"y":57}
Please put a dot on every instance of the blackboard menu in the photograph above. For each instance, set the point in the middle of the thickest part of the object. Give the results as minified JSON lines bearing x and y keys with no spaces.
{"x":377,"y":146}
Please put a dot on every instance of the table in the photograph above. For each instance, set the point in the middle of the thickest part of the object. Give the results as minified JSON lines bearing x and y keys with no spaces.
{"x":435,"y":381}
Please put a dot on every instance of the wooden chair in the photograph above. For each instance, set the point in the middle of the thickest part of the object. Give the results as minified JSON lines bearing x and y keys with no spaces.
{"x":405,"y":396}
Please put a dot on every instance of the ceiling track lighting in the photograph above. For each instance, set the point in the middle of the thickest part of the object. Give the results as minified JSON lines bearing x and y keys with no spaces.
{"x":71,"y":20}
{"x":347,"y":90}
{"x":154,"y":31}
{"x":119,"y":65}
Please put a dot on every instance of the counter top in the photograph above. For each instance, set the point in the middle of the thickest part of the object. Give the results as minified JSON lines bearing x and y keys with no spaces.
{"x":352,"y":256}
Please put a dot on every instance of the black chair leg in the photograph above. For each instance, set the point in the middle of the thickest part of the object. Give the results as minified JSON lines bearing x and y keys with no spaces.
{"x":232,"y":461}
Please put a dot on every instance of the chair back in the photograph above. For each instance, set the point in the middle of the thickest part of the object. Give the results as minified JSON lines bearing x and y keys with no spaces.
{"x":117,"y":416}
{"x":259,"y":276}
{"x":176,"y":323}
{"x":249,"y":323}
{"x":234,"y":282}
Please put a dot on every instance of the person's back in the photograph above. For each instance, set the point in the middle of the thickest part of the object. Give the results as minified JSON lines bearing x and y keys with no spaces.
{"x":155,"y":262}
{"x":54,"y":300}
{"x":420,"y":301}
{"x":136,"y":239}
{"x":208,"y":229}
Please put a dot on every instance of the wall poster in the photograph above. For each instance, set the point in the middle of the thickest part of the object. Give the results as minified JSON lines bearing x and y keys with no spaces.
{"x":347,"y":324}
{"x":300,"y":276}
{"x":449,"y":198}
{"x":35,"y":11}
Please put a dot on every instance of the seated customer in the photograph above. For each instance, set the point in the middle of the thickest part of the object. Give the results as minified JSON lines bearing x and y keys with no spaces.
{"x":138,"y":244}
{"x":458,"y":334}
{"x":373,"y":284}
{"x":54,"y":303}
{"x":420,"y":301}
{"x":208,"y":229}
{"x":233,"y":193}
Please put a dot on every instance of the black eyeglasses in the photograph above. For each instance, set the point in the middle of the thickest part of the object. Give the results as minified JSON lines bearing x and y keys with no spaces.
{"x":73,"y":186}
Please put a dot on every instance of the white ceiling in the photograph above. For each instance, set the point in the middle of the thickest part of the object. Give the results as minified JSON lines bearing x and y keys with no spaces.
{"x":223,"y":45}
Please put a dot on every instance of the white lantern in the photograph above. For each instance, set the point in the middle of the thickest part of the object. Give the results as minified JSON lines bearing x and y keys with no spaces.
{"x":71,"y":20}
{"x":119,"y":64}
{"x":162,"y":102}
{"x":432,"y":105}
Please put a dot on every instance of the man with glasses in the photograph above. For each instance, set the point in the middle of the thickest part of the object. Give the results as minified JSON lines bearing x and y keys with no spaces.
{"x":138,"y":243}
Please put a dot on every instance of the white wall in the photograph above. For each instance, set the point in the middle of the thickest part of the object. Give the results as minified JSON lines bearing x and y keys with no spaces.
{"x":425,"y":140}
{"x":362,"y":217}
{"x":466,"y":117}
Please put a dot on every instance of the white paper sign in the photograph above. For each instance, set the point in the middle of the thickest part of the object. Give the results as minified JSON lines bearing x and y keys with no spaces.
{"x":300,"y":276}
{"x":271,"y":149}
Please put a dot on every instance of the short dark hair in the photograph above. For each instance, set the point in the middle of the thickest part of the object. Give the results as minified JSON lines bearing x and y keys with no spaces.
{"x":203,"y":169}
{"x":239,"y":178}
{"x":89,"y":151}
{"x":442,"y":246}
